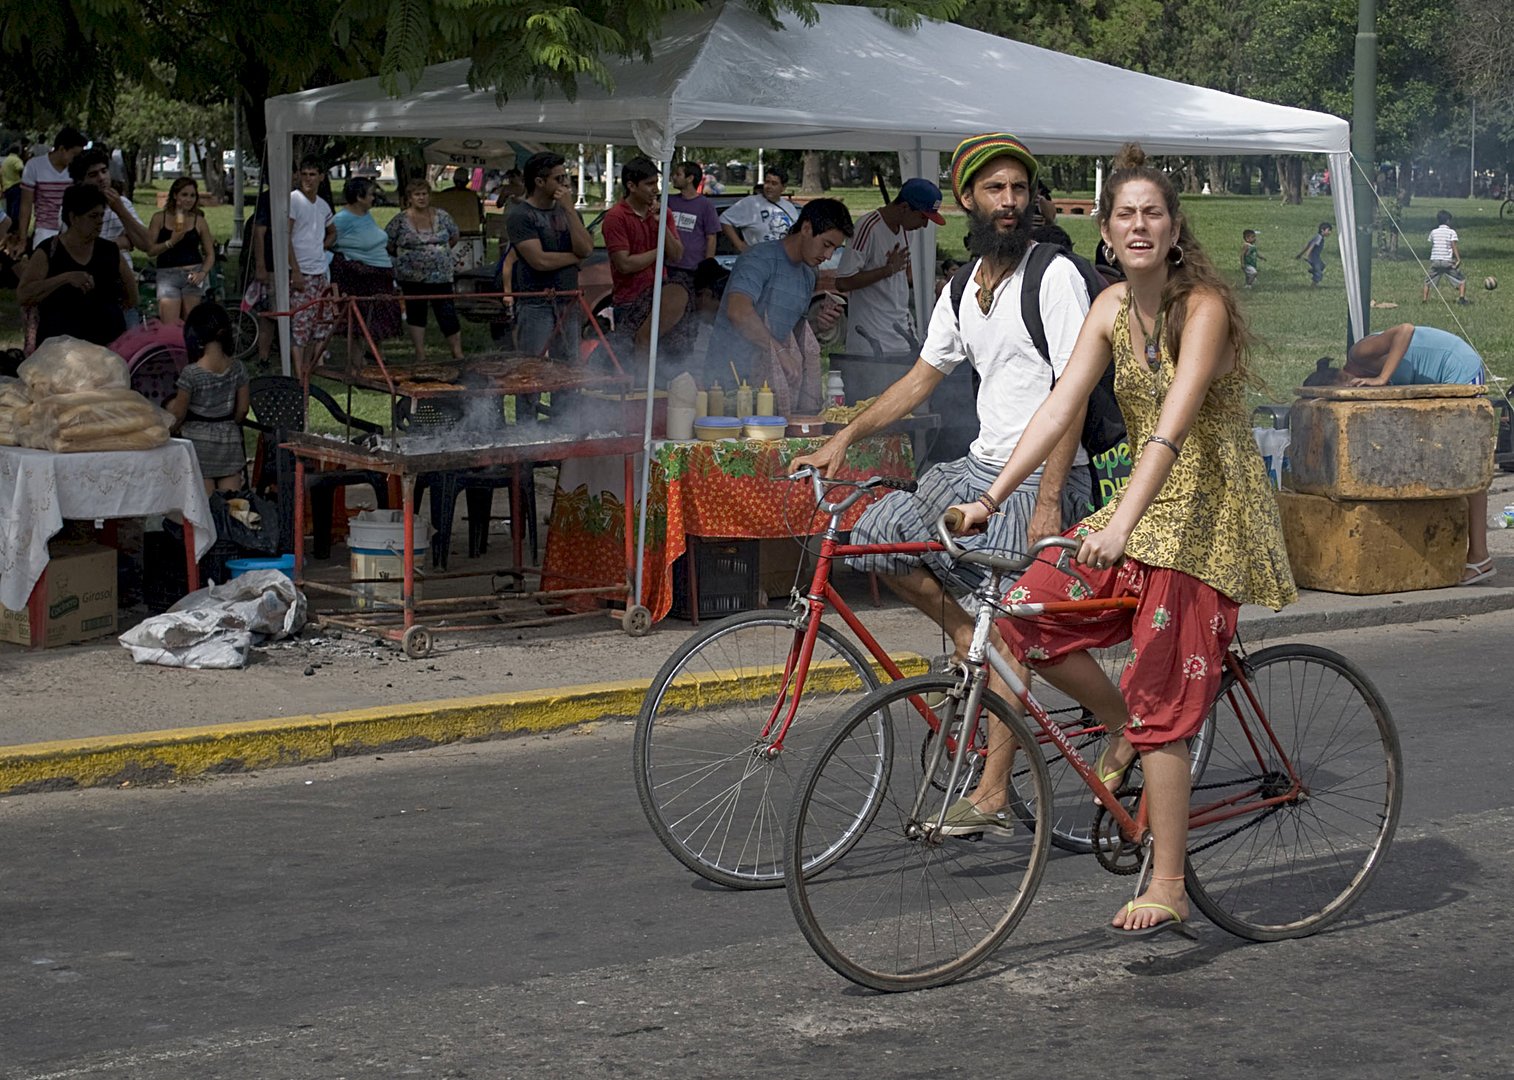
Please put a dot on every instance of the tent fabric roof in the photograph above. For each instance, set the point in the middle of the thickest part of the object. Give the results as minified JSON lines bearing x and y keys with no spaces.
{"x":721,"y":77}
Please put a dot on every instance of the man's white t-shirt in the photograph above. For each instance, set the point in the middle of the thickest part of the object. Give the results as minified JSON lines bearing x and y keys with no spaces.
{"x":111,"y":229}
{"x":1016,"y":380}
{"x":307,"y":231}
{"x":47,"y":185}
{"x":882,"y":307}
{"x":1441,"y":239}
{"x":757,"y":220}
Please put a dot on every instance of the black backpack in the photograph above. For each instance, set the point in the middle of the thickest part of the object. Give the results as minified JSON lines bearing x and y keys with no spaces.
{"x":1104,"y":425}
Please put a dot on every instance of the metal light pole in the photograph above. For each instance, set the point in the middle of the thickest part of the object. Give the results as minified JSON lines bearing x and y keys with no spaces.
{"x":1364,"y":145}
{"x":1472,"y":156}
{"x":234,"y":245}
{"x":582,"y":202}
{"x":610,"y":191}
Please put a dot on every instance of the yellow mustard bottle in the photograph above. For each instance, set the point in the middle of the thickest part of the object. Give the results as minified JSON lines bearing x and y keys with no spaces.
{"x":765,"y":400}
{"x":744,"y":399}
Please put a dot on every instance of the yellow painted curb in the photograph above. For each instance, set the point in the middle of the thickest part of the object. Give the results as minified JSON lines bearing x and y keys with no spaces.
{"x":151,"y":757}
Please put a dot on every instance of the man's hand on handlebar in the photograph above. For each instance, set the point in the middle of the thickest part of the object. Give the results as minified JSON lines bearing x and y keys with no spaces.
{"x":825,"y":459}
{"x":969,"y":519}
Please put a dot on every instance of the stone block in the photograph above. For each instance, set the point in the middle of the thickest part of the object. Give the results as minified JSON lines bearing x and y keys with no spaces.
{"x":1394,"y":443}
{"x":1371,"y":547}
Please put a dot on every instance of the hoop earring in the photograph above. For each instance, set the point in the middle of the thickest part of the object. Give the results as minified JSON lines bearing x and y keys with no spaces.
{"x":1175,"y":255}
{"x":1108,"y":254}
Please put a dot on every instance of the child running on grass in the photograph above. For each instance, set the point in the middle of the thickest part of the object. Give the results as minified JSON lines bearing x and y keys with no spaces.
{"x":1249,"y":256}
{"x":1315,"y":250}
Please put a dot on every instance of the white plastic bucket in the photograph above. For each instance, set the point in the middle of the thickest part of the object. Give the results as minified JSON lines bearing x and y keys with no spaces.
{"x":376,"y":541}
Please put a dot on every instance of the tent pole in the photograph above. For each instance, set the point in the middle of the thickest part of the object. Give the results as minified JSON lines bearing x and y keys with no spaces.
{"x":609,"y":177}
{"x":280,"y":170}
{"x":582,"y":202}
{"x":656,"y":316}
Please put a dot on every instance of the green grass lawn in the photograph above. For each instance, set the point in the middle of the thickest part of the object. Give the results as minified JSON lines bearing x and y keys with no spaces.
{"x":1296,"y":323}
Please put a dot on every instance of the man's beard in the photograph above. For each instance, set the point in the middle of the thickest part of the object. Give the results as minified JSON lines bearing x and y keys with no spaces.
{"x":986,"y":241}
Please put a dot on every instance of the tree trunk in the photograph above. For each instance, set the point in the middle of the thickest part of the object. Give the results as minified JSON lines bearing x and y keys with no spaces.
{"x":813,"y":182}
{"x":1290,"y":178}
{"x":215,"y":171}
{"x":1190,"y":176}
{"x":130,"y":156}
{"x":1243,"y":178}
{"x":1219,"y":173}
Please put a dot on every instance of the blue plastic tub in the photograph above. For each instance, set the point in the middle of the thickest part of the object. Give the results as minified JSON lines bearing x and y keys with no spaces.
{"x":283,"y":563}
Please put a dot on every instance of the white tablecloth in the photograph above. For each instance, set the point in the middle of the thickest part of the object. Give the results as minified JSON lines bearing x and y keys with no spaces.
{"x":38,"y":490}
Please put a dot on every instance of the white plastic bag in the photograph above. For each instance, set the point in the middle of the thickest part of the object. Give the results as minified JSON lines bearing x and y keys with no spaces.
{"x":1272,"y":443}
{"x":216,"y":627}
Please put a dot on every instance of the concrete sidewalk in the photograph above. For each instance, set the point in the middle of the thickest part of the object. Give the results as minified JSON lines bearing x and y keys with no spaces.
{"x":100,"y":748}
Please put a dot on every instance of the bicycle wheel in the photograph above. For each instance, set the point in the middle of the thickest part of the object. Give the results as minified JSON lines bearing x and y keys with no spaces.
{"x":244,"y":333}
{"x":1290,"y":869}
{"x":713,"y":795}
{"x":1506,"y":210}
{"x":900,"y":907}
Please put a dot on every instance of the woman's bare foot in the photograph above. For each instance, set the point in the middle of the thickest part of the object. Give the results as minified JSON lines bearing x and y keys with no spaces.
{"x":1162,"y":898}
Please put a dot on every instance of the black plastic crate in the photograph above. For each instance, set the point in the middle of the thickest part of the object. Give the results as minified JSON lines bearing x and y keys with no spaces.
{"x":728,"y":577}
{"x":164,"y":580}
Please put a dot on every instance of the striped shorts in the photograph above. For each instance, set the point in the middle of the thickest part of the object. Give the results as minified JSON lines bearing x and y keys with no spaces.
{"x":910,"y":517}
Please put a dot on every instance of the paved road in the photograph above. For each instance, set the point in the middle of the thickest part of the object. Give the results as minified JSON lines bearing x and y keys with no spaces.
{"x":501,"y":910}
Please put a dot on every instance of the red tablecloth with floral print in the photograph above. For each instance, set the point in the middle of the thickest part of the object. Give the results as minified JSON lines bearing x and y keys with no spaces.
{"x":705,"y":489}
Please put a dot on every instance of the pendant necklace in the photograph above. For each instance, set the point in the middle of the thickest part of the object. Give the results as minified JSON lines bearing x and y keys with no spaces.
{"x":986,"y":291}
{"x":1153,"y":335}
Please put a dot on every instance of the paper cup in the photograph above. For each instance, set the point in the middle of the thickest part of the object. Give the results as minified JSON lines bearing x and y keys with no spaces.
{"x":680,"y":422}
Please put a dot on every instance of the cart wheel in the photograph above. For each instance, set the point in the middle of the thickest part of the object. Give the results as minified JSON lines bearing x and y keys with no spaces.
{"x":637,"y":621}
{"x":416,"y":642}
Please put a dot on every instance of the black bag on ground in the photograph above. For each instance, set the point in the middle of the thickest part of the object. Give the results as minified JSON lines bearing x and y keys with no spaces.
{"x":1103,"y":425}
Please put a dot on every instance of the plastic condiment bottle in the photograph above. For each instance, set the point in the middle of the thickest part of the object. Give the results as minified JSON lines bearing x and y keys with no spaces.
{"x":701,"y":404}
{"x":765,"y":401}
{"x":835,"y":389}
{"x":716,"y":400}
{"x":744,"y":399}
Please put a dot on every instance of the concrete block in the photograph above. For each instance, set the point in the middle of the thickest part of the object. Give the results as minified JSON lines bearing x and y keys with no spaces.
{"x":1412,"y":442}
{"x":1371,"y":547}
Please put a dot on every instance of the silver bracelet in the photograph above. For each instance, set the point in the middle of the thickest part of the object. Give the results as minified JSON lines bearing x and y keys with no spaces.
{"x":1164,"y":442}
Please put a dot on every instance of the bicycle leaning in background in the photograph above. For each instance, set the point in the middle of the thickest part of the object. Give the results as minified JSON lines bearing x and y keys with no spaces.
{"x":1295,"y":800}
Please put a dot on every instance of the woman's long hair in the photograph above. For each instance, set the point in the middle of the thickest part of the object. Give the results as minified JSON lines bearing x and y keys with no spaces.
{"x":1195,"y":271}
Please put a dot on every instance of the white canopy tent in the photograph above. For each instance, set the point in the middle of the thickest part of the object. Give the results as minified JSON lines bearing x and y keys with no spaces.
{"x":724,"y":76}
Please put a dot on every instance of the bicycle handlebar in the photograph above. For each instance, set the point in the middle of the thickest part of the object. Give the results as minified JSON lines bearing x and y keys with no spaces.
{"x":949,"y":522}
{"x":862,"y":487}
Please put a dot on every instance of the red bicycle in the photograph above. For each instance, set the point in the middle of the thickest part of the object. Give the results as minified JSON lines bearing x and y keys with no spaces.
{"x":717,"y":752}
{"x":1294,"y":809}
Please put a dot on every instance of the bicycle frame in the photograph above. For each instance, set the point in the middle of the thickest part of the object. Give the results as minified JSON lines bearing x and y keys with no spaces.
{"x":822,"y":593}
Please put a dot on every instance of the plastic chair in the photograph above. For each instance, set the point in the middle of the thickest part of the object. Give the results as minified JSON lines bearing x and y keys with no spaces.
{"x":476,"y":485}
{"x":278,"y":406}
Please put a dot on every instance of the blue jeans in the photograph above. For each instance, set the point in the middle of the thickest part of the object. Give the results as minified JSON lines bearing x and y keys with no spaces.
{"x":535,"y":320}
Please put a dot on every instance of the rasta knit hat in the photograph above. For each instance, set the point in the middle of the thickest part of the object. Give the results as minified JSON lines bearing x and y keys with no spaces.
{"x":975,"y":152}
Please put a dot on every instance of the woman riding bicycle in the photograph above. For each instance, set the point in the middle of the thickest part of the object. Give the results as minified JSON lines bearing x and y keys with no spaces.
{"x":1194,"y":535}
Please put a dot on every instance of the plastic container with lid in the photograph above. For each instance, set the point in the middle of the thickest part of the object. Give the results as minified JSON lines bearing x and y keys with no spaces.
{"x":712,"y":428}
{"x":770,"y":428}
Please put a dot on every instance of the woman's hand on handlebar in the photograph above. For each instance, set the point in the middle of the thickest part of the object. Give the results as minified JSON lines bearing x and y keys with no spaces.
{"x":1102,"y":549}
{"x":968,"y":520}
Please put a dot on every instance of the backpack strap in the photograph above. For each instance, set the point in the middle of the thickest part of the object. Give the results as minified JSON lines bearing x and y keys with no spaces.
{"x":1036,"y":261}
{"x":959,"y":286}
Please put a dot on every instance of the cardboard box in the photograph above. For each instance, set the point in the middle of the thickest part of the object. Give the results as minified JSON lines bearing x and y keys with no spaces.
{"x":81,"y":599}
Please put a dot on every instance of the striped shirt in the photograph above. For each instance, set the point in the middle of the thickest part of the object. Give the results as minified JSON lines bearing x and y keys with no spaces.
{"x":47,"y":185}
{"x":882,"y":308}
{"x":1441,"y":239}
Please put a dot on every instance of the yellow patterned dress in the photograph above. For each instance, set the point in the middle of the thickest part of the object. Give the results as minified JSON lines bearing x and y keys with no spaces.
{"x":1216,"y":517}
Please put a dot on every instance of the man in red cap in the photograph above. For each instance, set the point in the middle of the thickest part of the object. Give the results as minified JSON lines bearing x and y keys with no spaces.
{"x":874,"y":271}
{"x":993,"y":178}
